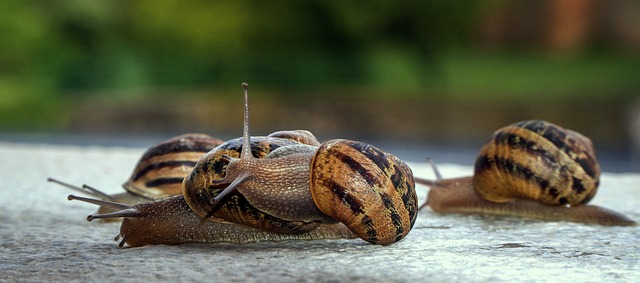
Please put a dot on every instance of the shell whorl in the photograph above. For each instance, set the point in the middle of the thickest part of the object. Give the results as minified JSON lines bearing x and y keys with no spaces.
{"x":537,"y":160}
{"x":370,"y":191}
{"x":162,"y":168}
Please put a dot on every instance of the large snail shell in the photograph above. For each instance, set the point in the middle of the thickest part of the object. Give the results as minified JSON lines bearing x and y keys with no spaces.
{"x":161,"y":169}
{"x":537,"y":160}
{"x":370,"y":191}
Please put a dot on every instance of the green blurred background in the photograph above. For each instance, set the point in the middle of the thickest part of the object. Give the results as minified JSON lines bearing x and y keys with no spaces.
{"x":423,"y":78}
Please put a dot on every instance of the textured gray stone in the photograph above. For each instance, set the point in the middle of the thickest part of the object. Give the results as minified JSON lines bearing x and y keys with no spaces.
{"x":44,"y":237}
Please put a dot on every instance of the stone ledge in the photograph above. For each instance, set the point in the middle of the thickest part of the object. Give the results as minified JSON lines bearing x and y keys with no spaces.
{"x":46,"y":238}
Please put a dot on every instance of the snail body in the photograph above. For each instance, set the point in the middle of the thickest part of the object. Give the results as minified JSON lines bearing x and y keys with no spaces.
{"x":280,"y":185}
{"x":532,"y":169}
{"x":171,"y":221}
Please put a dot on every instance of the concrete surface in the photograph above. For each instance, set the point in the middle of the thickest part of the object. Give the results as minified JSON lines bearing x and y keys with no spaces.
{"x":44,"y":237}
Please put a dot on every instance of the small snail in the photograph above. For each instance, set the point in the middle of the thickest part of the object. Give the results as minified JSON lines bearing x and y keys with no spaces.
{"x":531,"y":169}
{"x":282,"y":184}
{"x":159,"y":172}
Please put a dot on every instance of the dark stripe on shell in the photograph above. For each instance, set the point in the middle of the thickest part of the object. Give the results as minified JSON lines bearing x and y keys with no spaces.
{"x":376,"y":155}
{"x":554,"y":192}
{"x":510,"y":167}
{"x":159,"y":165}
{"x":525,"y":172}
{"x":407,"y":193}
{"x":577,"y":186}
{"x":588,"y":165}
{"x":516,"y":141}
{"x":189,"y":145}
{"x":536,"y":126}
{"x":589,"y":196}
{"x":396,"y":178}
{"x":356,"y":167}
{"x":558,"y":136}
{"x":402,"y":185}
{"x":409,"y":199}
{"x":163,"y":181}
{"x":340,"y":192}
{"x":483,"y":163}
{"x":387,"y":201}
{"x":552,"y":133}
{"x":372,"y":233}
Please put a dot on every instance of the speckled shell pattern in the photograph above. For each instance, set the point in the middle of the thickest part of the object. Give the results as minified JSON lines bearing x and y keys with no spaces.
{"x":162,"y":168}
{"x":537,"y":160}
{"x":370,"y":191}
{"x":199,"y":190}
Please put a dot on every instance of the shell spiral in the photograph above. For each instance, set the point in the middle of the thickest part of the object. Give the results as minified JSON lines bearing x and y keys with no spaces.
{"x":537,"y":160}
{"x":370,"y":191}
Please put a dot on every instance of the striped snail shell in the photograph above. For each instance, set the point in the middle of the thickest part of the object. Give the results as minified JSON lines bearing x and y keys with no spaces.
{"x":370,"y":191}
{"x":159,"y":172}
{"x":161,"y":169}
{"x":297,"y":186}
{"x":540,"y":161}
{"x":532,"y":169}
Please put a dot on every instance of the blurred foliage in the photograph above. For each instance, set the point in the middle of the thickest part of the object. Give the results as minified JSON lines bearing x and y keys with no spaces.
{"x":53,"y":51}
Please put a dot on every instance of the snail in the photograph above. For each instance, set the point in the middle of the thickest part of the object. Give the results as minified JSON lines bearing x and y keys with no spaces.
{"x":285,"y":186}
{"x":158,"y":173}
{"x":532,"y":169}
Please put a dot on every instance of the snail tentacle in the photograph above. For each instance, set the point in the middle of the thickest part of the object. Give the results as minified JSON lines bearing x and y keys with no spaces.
{"x":85,"y":189}
{"x":237,"y":181}
{"x":428,"y":182}
{"x":109,"y":204}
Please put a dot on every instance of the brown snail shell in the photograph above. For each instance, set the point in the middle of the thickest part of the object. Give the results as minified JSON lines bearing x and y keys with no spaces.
{"x":540,"y":161}
{"x":161,"y":169}
{"x":159,"y":172}
{"x":370,"y":191}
